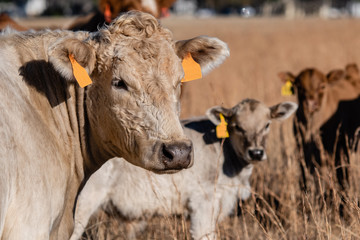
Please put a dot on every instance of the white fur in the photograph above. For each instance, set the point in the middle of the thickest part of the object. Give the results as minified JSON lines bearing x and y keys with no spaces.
{"x":222,"y":55}
{"x":209,"y":189}
{"x":145,"y":193}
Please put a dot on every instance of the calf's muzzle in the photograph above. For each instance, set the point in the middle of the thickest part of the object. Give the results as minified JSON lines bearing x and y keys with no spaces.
{"x":256,"y":154}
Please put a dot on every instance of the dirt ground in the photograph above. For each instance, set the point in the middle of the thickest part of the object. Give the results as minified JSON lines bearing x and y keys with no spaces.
{"x":260,"y":48}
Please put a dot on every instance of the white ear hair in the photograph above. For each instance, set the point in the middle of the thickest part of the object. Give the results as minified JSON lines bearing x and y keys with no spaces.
{"x":209,"y":52}
{"x":213,"y":114}
{"x":283,"y":110}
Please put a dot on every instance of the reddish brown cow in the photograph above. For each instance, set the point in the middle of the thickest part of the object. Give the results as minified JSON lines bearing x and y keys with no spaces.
{"x":326,"y":110}
{"x":5,"y":21}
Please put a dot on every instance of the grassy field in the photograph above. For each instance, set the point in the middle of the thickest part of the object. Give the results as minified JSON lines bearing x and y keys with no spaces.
{"x":260,"y":48}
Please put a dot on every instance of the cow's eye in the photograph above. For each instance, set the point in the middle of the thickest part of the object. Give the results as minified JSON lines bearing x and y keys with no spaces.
{"x":119,"y":84}
{"x":267,"y":126}
{"x":239,"y":129}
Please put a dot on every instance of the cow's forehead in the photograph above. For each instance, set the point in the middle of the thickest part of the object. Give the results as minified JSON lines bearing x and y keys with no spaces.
{"x":147,"y":60}
{"x":252,"y":115}
{"x":311,"y":79}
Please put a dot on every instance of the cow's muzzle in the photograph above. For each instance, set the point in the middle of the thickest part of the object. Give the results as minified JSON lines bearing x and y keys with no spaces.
{"x":176,"y":155}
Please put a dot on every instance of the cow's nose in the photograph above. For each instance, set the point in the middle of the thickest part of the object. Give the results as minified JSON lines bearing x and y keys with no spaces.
{"x":176,"y":155}
{"x":256,"y":154}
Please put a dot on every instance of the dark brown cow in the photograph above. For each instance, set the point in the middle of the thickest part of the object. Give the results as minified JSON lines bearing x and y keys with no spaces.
{"x":327,"y":112}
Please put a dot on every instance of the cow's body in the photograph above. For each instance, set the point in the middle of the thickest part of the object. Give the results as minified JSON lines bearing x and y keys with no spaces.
{"x":209,"y":190}
{"x":54,"y":134}
{"x":327,"y":118}
{"x":35,"y":140}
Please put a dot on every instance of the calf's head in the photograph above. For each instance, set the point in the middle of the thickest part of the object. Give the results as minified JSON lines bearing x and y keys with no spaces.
{"x":309,"y":86}
{"x":133,"y":103}
{"x":249,"y":124}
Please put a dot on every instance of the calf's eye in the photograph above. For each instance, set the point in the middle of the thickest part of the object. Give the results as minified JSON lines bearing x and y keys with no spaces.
{"x":267,"y":125}
{"x":119,"y":84}
{"x":239,"y":129}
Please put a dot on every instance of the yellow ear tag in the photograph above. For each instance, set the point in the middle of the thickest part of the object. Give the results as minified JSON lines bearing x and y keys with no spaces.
{"x":79,"y":72}
{"x":221,"y":129}
{"x":287,"y":89}
{"x":191,"y":68}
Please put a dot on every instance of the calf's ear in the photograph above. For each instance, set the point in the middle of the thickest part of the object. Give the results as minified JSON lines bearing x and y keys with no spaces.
{"x":283,"y":110}
{"x":335,"y":75}
{"x":214,"y":114}
{"x":209,"y":52}
{"x":286,"y":76}
{"x":352,"y":71}
{"x":81,"y":51}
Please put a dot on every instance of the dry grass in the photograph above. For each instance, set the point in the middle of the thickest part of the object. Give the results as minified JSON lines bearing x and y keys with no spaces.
{"x":278,"y":209}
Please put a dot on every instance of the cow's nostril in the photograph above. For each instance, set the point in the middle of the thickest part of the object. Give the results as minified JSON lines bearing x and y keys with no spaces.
{"x":176,"y":155}
{"x":256,"y":154}
{"x":168,"y":153}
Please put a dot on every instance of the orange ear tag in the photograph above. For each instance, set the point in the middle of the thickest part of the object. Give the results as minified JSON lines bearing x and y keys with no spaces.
{"x":191,"y":68}
{"x":79,"y":72}
{"x":221,"y":129}
{"x":287,"y":89}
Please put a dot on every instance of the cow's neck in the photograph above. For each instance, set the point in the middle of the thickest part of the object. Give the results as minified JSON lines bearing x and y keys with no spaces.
{"x":93,"y":157}
{"x":233,"y":164}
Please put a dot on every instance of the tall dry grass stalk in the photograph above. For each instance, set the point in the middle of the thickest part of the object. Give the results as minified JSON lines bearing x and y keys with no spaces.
{"x":278,"y":208}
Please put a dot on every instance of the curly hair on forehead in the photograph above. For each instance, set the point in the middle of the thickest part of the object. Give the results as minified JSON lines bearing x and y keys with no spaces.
{"x":137,"y":25}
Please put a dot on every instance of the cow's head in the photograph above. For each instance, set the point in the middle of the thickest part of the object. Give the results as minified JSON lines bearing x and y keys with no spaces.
{"x":249,"y":124}
{"x":133,"y":104}
{"x":309,"y":86}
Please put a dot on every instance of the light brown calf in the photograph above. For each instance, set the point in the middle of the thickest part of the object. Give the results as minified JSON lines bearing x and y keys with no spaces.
{"x":208,"y":191}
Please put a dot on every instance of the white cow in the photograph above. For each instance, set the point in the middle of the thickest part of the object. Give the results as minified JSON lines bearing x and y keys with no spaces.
{"x":54,"y":134}
{"x":209,"y":189}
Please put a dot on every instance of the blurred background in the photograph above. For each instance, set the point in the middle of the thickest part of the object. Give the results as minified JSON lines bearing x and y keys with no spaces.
{"x":200,"y":8}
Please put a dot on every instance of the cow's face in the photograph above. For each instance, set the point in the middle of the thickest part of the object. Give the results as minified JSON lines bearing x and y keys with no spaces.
{"x":133,"y":104}
{"x":249,"y":124}
{"x":309,"y":87}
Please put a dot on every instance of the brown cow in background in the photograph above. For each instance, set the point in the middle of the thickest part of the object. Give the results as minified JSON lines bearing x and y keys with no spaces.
{"x":7,"y":21}
{"x":107,"y":11}
{"x":327,"y":119}
{"x":110,"y":9}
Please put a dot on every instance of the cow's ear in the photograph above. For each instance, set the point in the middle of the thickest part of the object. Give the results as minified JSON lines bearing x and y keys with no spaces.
{"x":283,"y":110}
{"x":209,"y":52}
{"x":352,"y":71}
{"x":214,"y":114}
{"x":335,"y":75}
{"x":286,"y":76}
{"x":82,"y":52}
